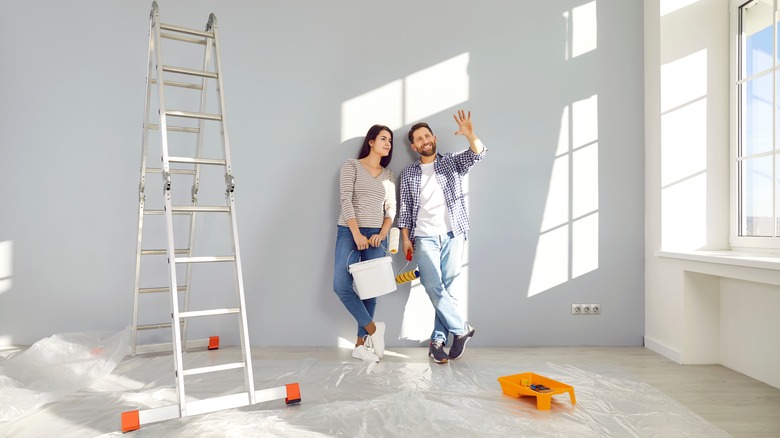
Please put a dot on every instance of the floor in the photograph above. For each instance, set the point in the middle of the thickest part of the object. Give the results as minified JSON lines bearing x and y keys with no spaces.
{"x":620,"y":391}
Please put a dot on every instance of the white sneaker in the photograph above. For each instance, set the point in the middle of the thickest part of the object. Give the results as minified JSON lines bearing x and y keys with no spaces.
{"x":368,"y":343}
{"x":360,"y":352}
{"x":378,"y":339}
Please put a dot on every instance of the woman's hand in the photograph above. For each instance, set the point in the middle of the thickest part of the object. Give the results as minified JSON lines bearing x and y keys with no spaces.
{"x":376,"y":239}
{"x":361,"y":242}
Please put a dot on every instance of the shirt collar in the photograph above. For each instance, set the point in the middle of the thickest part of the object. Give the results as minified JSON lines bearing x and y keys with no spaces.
{"x":418,"y":162}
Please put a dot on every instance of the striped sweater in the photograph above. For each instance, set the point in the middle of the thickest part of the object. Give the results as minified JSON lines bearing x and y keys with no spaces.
{"x":367,"y":199}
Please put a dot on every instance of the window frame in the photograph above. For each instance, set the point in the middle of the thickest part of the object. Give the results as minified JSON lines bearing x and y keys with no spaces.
{"x":737,"y":241}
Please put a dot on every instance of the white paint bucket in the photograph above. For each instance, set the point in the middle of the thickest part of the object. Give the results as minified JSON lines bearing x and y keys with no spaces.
{"x":373,"y":277}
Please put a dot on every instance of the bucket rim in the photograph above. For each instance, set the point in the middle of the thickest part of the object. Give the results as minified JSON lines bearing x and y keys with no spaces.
{"x":367,"y":263}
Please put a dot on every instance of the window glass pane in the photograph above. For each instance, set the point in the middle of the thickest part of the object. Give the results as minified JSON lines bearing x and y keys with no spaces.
{"x":758,"y":121}
{"x":757,"y":33}
{"x":756,"y":216}
{"x":757,"y":127}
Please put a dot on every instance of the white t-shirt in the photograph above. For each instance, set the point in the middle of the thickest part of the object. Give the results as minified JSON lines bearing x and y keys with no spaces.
{"x":432,"y":218}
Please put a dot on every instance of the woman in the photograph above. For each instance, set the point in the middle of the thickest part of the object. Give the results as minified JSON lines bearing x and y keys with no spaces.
{"x":367,"y":194}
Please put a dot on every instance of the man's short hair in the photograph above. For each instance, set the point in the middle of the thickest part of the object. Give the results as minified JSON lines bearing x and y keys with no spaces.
{"x":417,"y":126}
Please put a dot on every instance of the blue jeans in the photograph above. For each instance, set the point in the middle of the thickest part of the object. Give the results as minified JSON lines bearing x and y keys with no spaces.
{"x":347,"y":254}
{"x":439,"y":259}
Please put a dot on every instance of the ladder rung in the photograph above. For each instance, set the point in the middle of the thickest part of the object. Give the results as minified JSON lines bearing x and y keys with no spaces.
{"x":215,"y":368}
{"x":163,"y":251}
{"x":179,"y":84}
{"x":153,"y":326}
{"x":189,"y":71}
{"x":162,"y":212}
{"x":216,"y":404}
{"x":205,"y":259}
{"x":171,"y":36}
{"x":152,"y":290}
{"x":199,"y":208}
{"x":176,"y":128}
{"x":171,"y":171}
{"x":211,"y":312}
{"x":180,"y":29}
{"x":192,"y":115}
{"x":162,"y":325}
{"x":199,"y":407}
{"x":192,"y":160}
{"x":168,"y":346}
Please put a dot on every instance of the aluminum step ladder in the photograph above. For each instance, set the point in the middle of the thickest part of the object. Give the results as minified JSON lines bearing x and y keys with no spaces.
{"x":188,"y":123}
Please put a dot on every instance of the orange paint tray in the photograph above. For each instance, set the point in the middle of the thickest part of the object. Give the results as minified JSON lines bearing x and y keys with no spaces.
{"x":518,"y":385}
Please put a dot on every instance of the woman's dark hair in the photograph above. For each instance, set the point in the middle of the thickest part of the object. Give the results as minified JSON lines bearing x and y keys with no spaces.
{"x":417,"y":126}
{"x":372,"y":134}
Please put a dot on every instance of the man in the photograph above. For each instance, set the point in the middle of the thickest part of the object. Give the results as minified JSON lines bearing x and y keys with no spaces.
{"x":434,"y":223}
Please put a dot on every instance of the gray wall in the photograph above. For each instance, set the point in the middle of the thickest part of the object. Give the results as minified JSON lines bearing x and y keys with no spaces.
{"x":73,"y":88}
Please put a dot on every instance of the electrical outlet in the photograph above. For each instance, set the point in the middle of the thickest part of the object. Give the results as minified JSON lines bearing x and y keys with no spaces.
{"x":586,"y":309}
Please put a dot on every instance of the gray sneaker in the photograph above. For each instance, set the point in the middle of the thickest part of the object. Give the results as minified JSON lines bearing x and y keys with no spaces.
{"x":459,"y":343}
{"x":436,"y":351}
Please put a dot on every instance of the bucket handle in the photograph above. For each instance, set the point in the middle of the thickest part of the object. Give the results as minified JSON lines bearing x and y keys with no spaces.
{"x":350,"y":253}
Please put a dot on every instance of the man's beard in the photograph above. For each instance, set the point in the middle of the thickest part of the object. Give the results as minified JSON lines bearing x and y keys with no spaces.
{"x":429,"y":153}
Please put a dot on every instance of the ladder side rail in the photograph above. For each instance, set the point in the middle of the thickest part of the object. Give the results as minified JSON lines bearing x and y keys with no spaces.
{"x":243,"y":324}
{"x":188,"y":279}
{"x":141,"y":190}
{"x":229,"y":194}
{"x":196,"y":179}
{"x":175,"y":326}
{"x":221,"y":97}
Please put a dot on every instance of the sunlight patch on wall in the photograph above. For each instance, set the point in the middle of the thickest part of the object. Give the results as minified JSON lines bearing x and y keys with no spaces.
{"x":683,"y":213}
{"x":417,"y":321}
{"x":408,"y":100}
{"x":556,"y":210}
{"x":6,"y":273}
{"x":346,"y":343}
{"x":568,"y":241}
{"x":684,"y":142}
{"x":683,"y":80}
{"x":684,"y":153}
{"x":381,"y":105}
{"x":585,"y":245}
{"x":581,"y":29}
{"x":585,"y":178}
{"x":436,"y":88}
{"x":6,"y":265}
{"x":551,"y":262}
{"x":6,"y":342}
{"x":463,"y":278}
{"x":669,"y":6}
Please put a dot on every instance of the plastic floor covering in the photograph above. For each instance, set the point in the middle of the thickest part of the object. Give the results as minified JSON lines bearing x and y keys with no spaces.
{"x":77,"y":385}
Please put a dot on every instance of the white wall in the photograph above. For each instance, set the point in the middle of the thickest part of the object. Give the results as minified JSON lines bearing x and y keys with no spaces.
{"x":73,"y":87}
{"x":697,"y":311}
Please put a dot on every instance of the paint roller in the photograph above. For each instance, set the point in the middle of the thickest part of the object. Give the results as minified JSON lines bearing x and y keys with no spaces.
{"x":407,"y":276}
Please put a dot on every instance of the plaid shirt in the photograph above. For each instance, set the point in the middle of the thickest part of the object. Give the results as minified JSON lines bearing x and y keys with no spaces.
{"x":450,"y":170}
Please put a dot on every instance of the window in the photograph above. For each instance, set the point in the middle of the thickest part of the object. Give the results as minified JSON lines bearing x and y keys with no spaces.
{"x":757,"y":142}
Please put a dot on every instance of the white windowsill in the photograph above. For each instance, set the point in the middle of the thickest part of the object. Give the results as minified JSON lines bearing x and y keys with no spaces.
{"x":733,"y":258}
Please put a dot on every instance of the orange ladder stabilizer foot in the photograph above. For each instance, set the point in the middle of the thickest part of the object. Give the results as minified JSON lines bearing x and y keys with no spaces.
{"x":293,"y":393}
{"x":130,"y":421}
